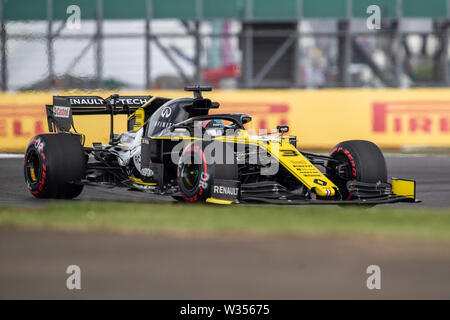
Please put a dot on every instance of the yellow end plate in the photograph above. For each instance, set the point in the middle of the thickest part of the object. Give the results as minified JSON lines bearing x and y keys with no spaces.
{"x":405,"y":188}
{"x":218,"y":201}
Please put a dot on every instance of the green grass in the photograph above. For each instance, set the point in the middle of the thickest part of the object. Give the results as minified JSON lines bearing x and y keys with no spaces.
{"x":381,"y":221}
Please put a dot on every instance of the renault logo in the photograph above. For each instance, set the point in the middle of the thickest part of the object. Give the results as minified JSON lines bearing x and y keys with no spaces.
{"x":166,"y":112}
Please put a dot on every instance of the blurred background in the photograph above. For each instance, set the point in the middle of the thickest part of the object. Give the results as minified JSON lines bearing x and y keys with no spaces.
{"x":355,"y":58}
{"x":167,"y":44}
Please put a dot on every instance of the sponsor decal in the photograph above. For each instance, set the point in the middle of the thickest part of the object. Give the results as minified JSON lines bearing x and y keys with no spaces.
{"x":226,"y":190}
{"x":98,"y":101}
{"x":163,"y":124}
{"x":424,"y":117}
{"x":87,"y":101}
{"x":320,"y":182}
{"x":166,"y":112}
{"x":133,"y":101}
{"x":38,"y":144}
{"x":61,"y":112}
{"x":204,"y":180}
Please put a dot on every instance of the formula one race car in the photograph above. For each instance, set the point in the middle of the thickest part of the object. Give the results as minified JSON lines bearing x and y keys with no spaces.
{"x":174,"y":147}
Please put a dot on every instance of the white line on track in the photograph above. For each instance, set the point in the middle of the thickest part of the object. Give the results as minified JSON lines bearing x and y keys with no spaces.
{"x":415,"y":155}
{"x":11,"y":156}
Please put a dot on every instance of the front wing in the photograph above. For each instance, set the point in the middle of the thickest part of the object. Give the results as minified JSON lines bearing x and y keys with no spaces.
{"x":362,"y":194}
{"x":381,"y":200}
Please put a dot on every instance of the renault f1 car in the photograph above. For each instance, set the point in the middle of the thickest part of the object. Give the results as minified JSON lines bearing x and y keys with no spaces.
{"x":175,"y":147}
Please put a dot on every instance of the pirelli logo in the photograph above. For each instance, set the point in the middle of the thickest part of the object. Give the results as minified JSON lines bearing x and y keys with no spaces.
{"x":411,"y":117}
{"x":266,"y":115}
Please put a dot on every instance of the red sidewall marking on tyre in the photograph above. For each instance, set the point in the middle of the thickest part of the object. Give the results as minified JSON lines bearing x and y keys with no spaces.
{"x":352,"y":164}
{"x":205,"y":168}
{"x":40,"y":186}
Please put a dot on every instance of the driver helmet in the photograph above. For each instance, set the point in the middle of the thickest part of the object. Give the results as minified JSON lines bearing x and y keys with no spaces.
{"x":214,"y":123}
{"x":213,"y":127}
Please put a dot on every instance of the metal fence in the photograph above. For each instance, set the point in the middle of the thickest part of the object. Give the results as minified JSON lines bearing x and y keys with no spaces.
{"x":349,"y":44}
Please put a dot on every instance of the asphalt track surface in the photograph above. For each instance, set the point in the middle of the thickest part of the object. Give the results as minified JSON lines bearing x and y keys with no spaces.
{"x":33,"y":263}
{"x":432,"y":174}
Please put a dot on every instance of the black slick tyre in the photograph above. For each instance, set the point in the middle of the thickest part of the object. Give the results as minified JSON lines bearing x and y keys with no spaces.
{"x":54,"y":164}
{"x":365,"y":163}
{"x":194,"y":174}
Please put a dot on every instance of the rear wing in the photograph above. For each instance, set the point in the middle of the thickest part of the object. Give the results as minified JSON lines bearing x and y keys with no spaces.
{"x":59,"y":114}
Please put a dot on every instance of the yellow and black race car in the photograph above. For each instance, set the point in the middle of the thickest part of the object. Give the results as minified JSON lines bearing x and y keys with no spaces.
{"x":175,"y":147}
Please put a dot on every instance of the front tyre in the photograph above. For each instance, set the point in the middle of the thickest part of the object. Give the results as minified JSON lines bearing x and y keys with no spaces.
{"x":54,"y":164}
{"x":194,"y":174}
{"x":357,"y":160}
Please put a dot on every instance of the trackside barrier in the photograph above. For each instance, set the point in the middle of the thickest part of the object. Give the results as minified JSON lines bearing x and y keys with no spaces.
{"x":391,"y":118}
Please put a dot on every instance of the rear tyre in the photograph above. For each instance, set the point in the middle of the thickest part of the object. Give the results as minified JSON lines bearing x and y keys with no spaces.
{"x":363,"y":161}
{"x":54,"y":164}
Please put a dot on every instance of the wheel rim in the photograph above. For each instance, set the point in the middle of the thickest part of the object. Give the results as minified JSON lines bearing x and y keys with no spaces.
{"x":33,"y":168}
{"x":341,"y":179}
{"x":190,"y":175}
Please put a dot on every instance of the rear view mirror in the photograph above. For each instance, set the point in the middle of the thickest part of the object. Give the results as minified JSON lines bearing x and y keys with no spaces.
{"x":282,"y":128}
{"x":246,"y":118}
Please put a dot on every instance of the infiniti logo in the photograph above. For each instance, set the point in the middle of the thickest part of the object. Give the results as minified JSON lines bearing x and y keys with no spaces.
{"x":167,"y":111}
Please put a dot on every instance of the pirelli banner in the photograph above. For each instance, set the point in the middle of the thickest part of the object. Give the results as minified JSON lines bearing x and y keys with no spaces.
{"x":391,"y":118}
